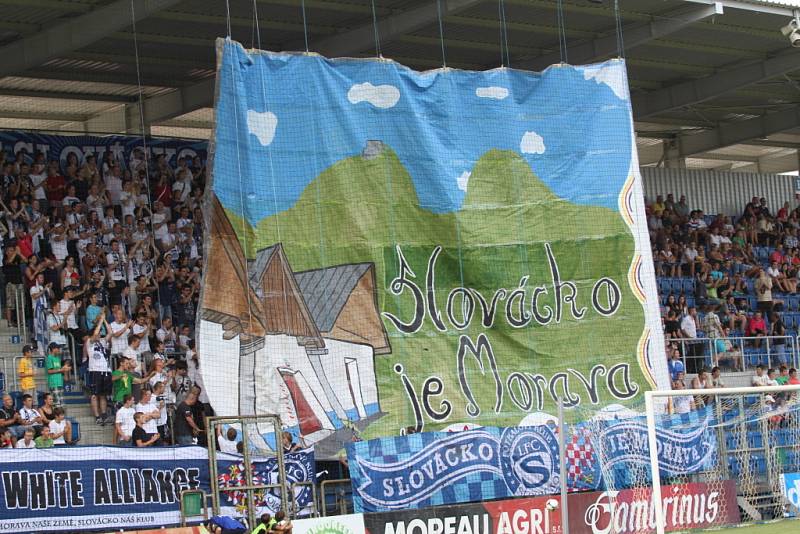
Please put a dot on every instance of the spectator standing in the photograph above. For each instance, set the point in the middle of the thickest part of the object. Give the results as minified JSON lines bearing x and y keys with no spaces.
{"x":227,"y":440}
{"x":12,"y":274}
{"x":120,"y":329}
{"x":125,"y":422}
{"x":689,"y":332}
{"x":186,"y":430}
{"x":151,"y":412}
{"x":25,"y":372}
{"x":55,"y":373}
{"x":99,"y":368}
{"x":140,"y":437}
{"x":763,"y":287}
{"x":675,"y":364}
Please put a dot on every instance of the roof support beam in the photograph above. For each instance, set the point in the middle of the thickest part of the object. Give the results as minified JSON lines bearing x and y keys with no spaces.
{"x":731,"y":133}
{"x":694,"y":91}
{"x":363,"y":37}
{"x":635,"y":35}
{"x":75,"y":33}
{"x":164,"y":107}
{"x":770,"y":8}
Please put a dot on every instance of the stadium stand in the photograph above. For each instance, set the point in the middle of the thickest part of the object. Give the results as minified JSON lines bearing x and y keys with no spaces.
{"x":94,"y":255}
{"x":727,"y":285}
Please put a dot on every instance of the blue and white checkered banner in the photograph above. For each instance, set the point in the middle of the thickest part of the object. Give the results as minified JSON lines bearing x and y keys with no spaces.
{"x":436,"y":468}
{"x":88,"y":488}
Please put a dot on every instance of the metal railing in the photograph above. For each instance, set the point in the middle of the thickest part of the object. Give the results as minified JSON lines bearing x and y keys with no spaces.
{"x":341,"y":487}
{"x":294,"y":506}
{"x":21,"y":302}
{"x":746,"y":353}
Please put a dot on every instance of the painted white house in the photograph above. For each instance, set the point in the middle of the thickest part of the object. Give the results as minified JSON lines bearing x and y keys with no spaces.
{"x":300,"y":345}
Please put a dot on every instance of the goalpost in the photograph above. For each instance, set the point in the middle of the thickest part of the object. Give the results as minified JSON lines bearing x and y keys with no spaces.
{"x":739,"y":439}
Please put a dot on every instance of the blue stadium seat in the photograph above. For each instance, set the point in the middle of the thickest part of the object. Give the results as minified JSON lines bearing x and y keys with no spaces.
{"x":76,"y":429}
{"x":687,"y":286}
{"x":664,"y":285}
{"x":690,"y":301}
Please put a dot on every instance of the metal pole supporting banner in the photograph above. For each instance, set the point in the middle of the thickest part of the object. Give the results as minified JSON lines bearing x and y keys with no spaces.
{"x":562,"y":466}
{"x":653,"y":446}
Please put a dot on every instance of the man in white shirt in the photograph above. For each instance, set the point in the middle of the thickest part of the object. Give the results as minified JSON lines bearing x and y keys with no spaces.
{"x":151,"y":410}
{"x":56,"y":326}
{"x":183,"y":183}
{"x":97,"y":348}
{"x":58,"y":242}
{"x":161,"y":217}
{"x":114,"y":183}
{"x":759,"y":379}
{"x":143,"y":329}
{"x":27,"y":441}
{"x":117,"y":263}
{"x":689,"y":329}
{"x":166,"y":334}
{"x":120,"y":328}
{"x":124,"y":421}
{"x":227,"y":440}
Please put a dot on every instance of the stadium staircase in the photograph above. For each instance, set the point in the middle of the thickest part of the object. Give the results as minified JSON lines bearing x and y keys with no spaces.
{"x":76,"y":401}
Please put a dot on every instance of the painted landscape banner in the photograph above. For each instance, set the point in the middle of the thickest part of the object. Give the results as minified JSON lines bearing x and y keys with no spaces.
{"x":395,"y":250}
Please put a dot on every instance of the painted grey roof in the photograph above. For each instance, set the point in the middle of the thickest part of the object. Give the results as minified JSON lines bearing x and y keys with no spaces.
{"x":256,"y":267}
{"x":326,"y":291}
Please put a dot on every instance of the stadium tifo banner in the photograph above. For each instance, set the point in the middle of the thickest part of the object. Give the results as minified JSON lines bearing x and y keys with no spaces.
{"x":689,"y":448}
{"x":389,"y":248}
{"x":115,"y":487}
{"x":627,"y":512}
{"x":434,"y":468}
{"x":59,"y":147}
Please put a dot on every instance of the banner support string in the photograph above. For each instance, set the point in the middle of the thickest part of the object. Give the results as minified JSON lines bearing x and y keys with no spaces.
{"x":562,"y":32}
{"x":441,"y":31}
{"x":305,"y":23}
{"x":375,"y":28}
{"x":255,"y":21}
{"x":503,"y":35}
{"x":618,"y":21}
{"x":140,"y":104}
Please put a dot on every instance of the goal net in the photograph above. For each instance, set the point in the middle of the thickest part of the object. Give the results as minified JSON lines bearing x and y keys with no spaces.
{"x":721,"y":456}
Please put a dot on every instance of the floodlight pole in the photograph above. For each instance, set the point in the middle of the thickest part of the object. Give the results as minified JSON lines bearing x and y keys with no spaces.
{"x":562,"y":464}
{"x":652,"y":444}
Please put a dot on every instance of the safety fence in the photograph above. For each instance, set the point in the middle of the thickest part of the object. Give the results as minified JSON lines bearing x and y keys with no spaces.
{"x":743,"y":353}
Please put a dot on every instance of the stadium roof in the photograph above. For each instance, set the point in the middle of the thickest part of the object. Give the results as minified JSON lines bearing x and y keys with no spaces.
{"x":714,"y":84}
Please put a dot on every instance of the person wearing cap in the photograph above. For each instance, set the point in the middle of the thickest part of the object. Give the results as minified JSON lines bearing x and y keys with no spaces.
{"x":25,"y":372}
{"x":55,"y":373}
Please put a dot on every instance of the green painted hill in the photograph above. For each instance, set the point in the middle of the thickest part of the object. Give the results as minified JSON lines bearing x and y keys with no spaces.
{"x":359,"y":209}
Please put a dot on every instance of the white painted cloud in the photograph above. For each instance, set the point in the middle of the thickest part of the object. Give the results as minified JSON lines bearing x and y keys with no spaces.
{"x":498,"y":93}
{"x":380,"y":96}
{"x":532,"y":143}
{"x":463,"y":180}
{"x":262,"y":125}
{"x":613,"y":75}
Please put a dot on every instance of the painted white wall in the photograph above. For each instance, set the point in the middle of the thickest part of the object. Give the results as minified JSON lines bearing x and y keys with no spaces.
{"x":219,"y":367}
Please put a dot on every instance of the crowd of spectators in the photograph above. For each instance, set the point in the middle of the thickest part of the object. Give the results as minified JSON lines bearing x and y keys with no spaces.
{"x":728,"y":289}
{"x":106,"y":258}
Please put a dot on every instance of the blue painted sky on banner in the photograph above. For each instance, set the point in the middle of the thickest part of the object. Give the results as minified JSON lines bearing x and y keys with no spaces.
{"x":275,"y":134}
